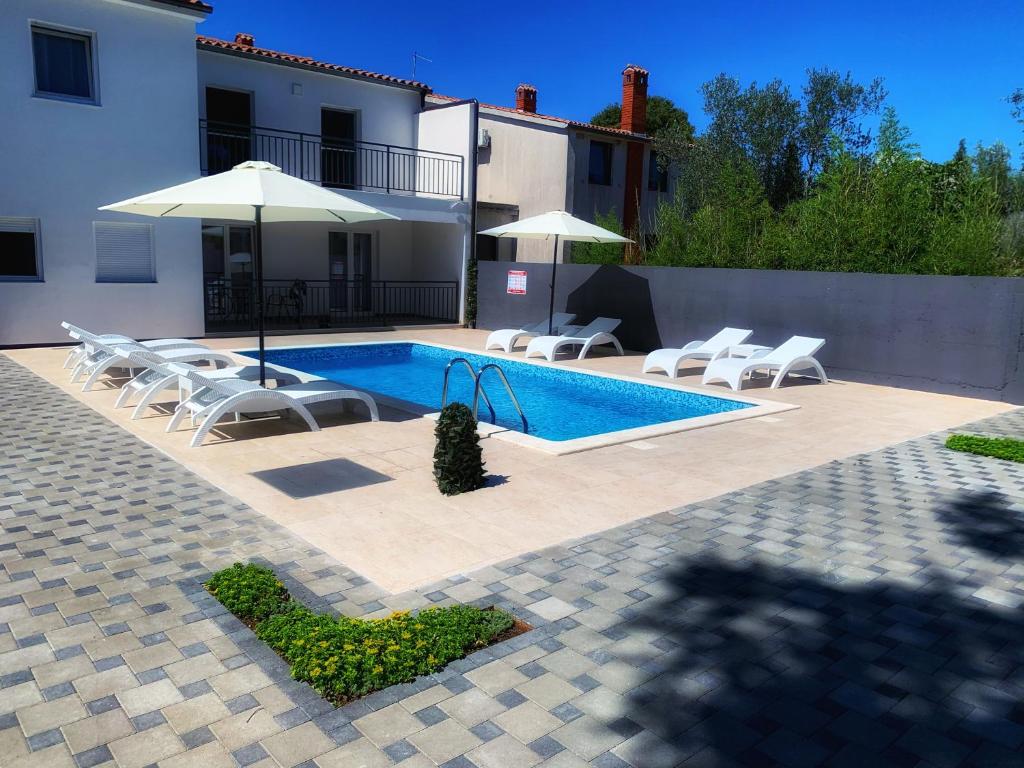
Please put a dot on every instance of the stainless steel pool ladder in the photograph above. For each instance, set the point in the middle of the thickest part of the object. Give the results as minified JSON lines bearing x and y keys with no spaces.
{"x":479,"y":391}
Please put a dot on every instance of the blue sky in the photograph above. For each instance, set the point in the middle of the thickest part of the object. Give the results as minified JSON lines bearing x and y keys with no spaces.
{"x":948,"y":66}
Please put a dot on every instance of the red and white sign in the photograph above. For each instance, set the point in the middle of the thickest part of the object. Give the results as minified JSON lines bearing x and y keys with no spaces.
{"x":516,"y":281}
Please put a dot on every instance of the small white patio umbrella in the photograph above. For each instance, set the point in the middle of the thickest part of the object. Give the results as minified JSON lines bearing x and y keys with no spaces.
{"x":557,"y":225}
{"x":251,"y":191}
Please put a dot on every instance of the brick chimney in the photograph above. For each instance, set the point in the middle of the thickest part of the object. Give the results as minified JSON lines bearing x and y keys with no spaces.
{"x":634,"y":99}
{"x":244,"y":38}
{"x":526,"y":98}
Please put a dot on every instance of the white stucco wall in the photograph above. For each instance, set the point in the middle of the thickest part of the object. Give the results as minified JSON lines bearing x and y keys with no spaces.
{"x":447,"y":129}
{"x":384,"y":114}
{"x":62,"y":160}
{"x":300,"y":251}
{"x":442,"y":252}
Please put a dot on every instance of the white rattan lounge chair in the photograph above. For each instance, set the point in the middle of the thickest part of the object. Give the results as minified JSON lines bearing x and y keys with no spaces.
{"x":214,"y":398}
{"x":797,"y":354}
{"x":506,"y":338}
{"x":84,"y":349}
{"x":669,"y":360}
{"x":107,"y":357}
{"x":596,"y":332}
{"x":158,"y":376}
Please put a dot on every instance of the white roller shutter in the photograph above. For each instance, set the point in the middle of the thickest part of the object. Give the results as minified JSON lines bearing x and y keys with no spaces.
{"x":124,"y":252}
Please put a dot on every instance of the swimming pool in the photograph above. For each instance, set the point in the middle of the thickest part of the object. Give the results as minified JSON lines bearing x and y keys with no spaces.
{"x":560,"y":404}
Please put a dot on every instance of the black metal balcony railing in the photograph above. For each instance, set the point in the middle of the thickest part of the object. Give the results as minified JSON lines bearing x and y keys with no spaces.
{"x":362,"y":165}
{"x":294,"y":304}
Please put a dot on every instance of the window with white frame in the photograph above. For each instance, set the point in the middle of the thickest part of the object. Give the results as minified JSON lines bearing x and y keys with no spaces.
{"x":64,"y":63}
{"x":20,"y":252}
{"x":124,"y":252}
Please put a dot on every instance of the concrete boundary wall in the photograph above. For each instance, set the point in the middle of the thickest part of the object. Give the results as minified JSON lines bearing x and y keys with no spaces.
{"x":942,"y":334}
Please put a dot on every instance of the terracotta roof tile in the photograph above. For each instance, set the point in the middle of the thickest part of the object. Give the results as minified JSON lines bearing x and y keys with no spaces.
{"x":197,"y":5}
{"x":213,"y":43}
{"x":573,"y":123}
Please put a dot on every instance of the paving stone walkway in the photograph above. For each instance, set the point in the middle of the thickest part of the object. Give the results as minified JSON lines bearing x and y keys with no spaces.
{"x":865,"y":613}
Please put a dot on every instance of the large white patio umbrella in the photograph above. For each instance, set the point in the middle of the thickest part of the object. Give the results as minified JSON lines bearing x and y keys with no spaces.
{"x":556,"y":225}
{"x":251,"y":191}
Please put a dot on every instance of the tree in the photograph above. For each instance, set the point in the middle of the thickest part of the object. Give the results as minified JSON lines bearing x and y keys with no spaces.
{"x":748,"y":126}
{"x":961,"y":155}
{"x":835,"y":106}
{"x":1016,"y":100}
{"x":662,"y":116}
{"x":788,"y":182}
{"x":993,"y":166}
{"x":893,"y":137}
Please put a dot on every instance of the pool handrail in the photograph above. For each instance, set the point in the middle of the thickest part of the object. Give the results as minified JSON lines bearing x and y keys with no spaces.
{"x":508,"y":388}
{"x":476,"y":386}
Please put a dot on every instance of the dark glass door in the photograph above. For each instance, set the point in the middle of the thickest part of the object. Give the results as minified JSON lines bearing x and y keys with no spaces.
{"x":337,"y":250}
{"x":362,"y":270}
{"x":337,"y":148}
{"x":228,"y":129}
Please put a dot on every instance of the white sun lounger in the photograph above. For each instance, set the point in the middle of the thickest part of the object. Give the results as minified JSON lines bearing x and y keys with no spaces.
{"x":598,"y":331}
{"x":669,"y":360}
{"x":85,"y":348}
{"x":107,"y":357}
{"x":506,"y":338}
{"x":214,"y":398}
{"x":797,"y":354}
{"x":158,"y":375}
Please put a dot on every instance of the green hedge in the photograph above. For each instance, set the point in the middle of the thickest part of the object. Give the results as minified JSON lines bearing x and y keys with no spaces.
{"x":343,"y":658}
{"x":997,"y":447}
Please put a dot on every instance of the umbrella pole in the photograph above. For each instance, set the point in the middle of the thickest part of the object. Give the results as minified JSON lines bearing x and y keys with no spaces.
{"x":259,"y":293}
{"x":551,"y":304}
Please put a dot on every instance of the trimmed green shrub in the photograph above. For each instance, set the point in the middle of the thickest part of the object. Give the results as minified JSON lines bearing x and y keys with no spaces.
{"x":250,"y":592}
{"x":343,"y":658}
{"x":458,"y":458}
{"x":1005,"y":448}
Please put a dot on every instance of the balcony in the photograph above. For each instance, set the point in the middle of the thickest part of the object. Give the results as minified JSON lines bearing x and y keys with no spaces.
{"x":323,"y":304}
{"x":341,"y":164}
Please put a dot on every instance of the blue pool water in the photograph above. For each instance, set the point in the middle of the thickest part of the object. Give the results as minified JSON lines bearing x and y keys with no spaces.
{"x":559,"y":404}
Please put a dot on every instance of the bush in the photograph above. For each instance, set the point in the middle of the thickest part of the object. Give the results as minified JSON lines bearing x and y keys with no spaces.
{"x":458,"y":459}
{"x":343,"y":657}
{"x":250,"y":592}
{"x":601,"y":253}
{"x":1005,"y":448}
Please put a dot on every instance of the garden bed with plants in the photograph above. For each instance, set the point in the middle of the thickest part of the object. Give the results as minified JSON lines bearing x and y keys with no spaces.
{"x":344,"y":658}
{"x":1005,"y":448}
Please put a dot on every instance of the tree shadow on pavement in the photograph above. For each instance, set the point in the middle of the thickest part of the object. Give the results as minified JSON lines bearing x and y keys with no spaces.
{"x":758,"y":665}
{"x":987,"y":521}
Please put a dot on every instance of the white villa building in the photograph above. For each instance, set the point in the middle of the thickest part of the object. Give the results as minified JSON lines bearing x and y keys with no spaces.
{"x":108,"y":99}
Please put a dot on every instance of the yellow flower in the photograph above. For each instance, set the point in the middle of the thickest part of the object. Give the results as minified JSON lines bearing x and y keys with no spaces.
{"x":378,"y":669}
{"x":315,"y":672}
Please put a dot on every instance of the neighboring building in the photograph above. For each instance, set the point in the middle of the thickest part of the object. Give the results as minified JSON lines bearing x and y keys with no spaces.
{"x":102,"y":104}
{"x":530,"y":163}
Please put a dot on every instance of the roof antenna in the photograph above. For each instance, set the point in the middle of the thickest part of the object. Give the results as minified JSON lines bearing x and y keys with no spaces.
{"x":418,"y":57}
